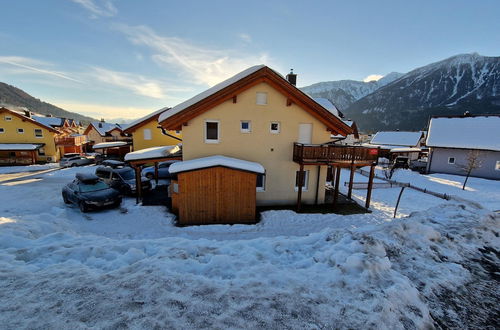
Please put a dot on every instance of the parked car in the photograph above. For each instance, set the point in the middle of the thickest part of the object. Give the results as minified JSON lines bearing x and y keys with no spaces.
{"x":88,"y":192}
{"x":77,"y":160}
{"x":419,"y":165}
{"x":122,"y":178}
{"x":163,"y":172}
{"x":99,"y":158}
{"x":400,"y":162}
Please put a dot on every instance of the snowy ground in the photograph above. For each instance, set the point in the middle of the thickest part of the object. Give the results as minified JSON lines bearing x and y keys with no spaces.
{"x":59,"y":268}
{"x":27,"y":168}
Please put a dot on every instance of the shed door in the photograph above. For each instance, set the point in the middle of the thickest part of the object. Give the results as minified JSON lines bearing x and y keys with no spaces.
{"x":305,"y":133}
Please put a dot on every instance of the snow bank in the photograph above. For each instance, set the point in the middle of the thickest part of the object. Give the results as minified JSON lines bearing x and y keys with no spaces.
{"x":217,"y":160}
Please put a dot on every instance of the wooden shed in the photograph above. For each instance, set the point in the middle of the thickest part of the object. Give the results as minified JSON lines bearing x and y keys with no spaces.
{"x":214,"y":190}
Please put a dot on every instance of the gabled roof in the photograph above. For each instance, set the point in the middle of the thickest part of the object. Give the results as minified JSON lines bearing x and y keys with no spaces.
{"x":231,"y":87}
{"x":104,"y":127}
{"x":25,"y":118}
{"x":144,"y":120}
{"x":328,"y":105}
{"x":466,"y":132}
{"x":49,"y":121}
{"x":397,"y":138}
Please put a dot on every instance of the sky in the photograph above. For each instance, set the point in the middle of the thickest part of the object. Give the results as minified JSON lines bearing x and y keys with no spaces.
{"x":123,"y":59}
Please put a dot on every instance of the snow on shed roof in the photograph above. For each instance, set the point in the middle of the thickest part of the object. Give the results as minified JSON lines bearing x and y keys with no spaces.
{"x":109,"y":144}
{"x":397,"y":138}
{"x":20,"y":146}
{"x":328,"y":105}
{"x":475,"y":132}
{"x":217,"y":160}
{"x":154,"y":152}
{"x":197,"y":98}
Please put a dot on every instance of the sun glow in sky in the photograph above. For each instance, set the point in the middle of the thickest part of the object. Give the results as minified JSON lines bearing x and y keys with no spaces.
{"x":124,"y":59}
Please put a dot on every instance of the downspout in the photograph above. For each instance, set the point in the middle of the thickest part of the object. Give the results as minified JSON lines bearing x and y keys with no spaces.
{"x":164,"y":132}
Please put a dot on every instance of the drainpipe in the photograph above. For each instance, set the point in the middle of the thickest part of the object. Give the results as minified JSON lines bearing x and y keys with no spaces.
{"x":164,"y":132}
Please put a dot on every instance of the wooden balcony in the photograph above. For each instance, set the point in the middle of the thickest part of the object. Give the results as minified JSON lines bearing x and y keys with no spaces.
{"x":343,"y":156}
{"x":71,"y":140}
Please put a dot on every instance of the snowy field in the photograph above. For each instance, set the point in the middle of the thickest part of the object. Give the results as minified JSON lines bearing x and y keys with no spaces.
{"x":433,"y":266}
{"x":27,"y":168}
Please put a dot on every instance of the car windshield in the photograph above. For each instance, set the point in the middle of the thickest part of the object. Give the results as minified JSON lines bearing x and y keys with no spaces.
{"x":128,"y":175}
{"x":92,"y":186}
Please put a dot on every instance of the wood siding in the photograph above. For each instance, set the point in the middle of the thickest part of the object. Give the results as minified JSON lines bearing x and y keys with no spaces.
{"x":216,"y":195}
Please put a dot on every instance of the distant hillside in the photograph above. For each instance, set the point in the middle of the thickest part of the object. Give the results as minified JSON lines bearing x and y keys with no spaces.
{"x":343,"y":93}
{"x":10,"y":95}
{"x":467,"y":82}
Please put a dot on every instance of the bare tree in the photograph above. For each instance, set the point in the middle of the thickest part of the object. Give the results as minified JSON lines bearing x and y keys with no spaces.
{"x":473,"y":161}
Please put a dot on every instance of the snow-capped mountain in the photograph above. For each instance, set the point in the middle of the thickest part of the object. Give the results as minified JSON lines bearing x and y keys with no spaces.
{"x":345,"y":92}
{"x":467,"y":82}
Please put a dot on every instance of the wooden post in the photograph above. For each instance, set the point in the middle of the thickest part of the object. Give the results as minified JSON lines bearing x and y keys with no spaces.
{"x":397,"y":203}
{"x":336,"y":190}
{"x":370,"y":186}
{"x":138,"y":184}
{"x":317,"y":186}
{"x":156,"y":172}
{"x":299,"y":184}
{"x":351,"y":179}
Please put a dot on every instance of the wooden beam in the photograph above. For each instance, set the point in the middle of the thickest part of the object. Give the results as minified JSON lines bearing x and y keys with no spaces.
{"x":235,"y":99}
{"x":336,"y":190}
{"x":289,"y":102}
{"x":351,"y":180}
{"x":156,"y":172}
{"x":300,"y":179}
{"x":317,"y":186}
{"x":138,"y":184}
{"x":370,"y":186}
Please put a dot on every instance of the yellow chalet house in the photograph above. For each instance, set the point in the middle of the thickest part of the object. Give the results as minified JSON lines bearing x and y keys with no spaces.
{"x":256,"y":118}
{"x":146,"y":133}
{"x":23,"y":140}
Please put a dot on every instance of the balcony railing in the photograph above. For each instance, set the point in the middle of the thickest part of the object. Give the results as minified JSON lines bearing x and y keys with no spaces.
{"x":71,"y":140}
{"x":330,"y":154}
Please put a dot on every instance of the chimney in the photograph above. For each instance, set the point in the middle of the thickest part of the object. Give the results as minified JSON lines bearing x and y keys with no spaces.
{"x":48,"y":115}
{"x":292,"y":78}
{"x":100,"y":124}
{"x":27,"y":113}
{"x":102,"y":120}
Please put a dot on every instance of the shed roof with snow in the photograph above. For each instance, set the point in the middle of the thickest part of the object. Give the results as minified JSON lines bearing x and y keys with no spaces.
{"x":465,"y":132}
{"x":218,"y":160}
{"x":397,"y":138}
{"x":152,"y":153}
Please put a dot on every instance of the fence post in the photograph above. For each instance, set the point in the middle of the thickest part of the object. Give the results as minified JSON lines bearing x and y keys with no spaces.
{"x":397,"y":203}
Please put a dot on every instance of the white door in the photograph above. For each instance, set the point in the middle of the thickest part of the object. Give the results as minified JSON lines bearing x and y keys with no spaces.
{"x":305,"y":133}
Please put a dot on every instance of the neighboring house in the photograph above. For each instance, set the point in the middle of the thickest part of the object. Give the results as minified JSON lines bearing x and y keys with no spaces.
{"x":98,"y":132}
{"x":454,"y":139}
{"x":350,"y":139}
{"x":146,"y":134}
{"x":398,"y":143}
{"x":24,"y":140}
{"x":259,"y":116}
{"x":68,"y":138}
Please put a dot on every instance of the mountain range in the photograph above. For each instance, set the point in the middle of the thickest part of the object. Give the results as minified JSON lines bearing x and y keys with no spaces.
{"x":467,"y":82}
{"x":13,"y":96}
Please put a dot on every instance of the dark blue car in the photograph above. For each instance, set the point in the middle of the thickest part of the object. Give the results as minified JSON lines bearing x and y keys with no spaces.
{"x":163,"y":172}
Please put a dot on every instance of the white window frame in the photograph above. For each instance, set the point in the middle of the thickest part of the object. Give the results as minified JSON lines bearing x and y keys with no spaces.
{"x":8,"y":118}
{"x":246,"y":130}
{"x":20,"y":130}
{"x":497,"y":165}
{"x":213,"y":141}
{"x":451,"y":162}
{"x":41,"y":133}
{"x":148,"y":136}
{"x":2,"y":130}
{"x":263,"y":187}
{"x":305,"y":187}
{"x":274,"y":131}
{"x":261,"y":98}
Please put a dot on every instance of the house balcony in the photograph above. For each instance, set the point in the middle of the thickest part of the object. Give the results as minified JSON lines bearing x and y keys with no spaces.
{"x":77,"y":140}
{"x":342,"y":156}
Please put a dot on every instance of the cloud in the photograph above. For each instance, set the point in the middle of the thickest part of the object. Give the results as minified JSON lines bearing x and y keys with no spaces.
{"x":373,"y":77}
{"x":200,"y":64}
{"x":30,"y":65}
{"x":103,"y":111}
{"x":245,"y":37}
{"x":104,"y":9}
{"x":129,"y":81}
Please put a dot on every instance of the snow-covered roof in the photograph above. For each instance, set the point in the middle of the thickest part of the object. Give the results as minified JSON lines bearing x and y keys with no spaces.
{"x":20,"y":146}
{"x":49,"y":121}
{"x":195,"y":99}
{"x":475,"y":132}
{"x":151,"y":115}
{"x":154,"y":152}
{"x":397,"y":138}
{"x":328,"y":105}
{"x":217,"y":160}
{"x":104,"y":127}
{"x":109,"y":144}
{"x":406,"y":149}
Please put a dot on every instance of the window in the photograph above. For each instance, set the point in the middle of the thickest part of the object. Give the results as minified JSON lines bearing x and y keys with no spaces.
{"x":41,"y":152}
{"x":8,"y":118}
{"x":177,"y":132}
{"x":305,"y":180}
{"x":451,"y":160}
{"x":275,"y":127}
{"x":38,"y":133}
{"x":147,"y":134}
{"x":211,"y":131}
{"x":2,"y":130}
{"x":497,"y":165}
{"x":246,"y":126}
{"x":261,"y":182}
{"x":261,"y":98}
{"x":20,"y":130}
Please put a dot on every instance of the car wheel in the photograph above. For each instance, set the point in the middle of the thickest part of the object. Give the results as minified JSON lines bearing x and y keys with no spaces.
{"x":65,"y":199}
{"x":83,"y":207}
